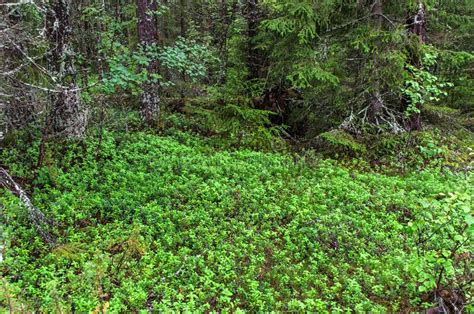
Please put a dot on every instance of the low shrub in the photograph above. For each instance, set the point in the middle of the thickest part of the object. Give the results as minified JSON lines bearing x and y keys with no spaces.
{"x":163,"y":224}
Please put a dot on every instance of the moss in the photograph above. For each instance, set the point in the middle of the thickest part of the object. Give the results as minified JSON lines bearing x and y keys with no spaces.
{"x":342,"y":142}
{"x":440,"y":109}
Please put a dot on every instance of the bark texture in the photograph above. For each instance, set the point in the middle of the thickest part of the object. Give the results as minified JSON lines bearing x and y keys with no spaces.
{"x":418,"y":26}
{"x":254,"y":59}
{"x":16,"y":102}
{"x":376,"y":101}
{"x":69,"y":118}
{"x":148,"y":37}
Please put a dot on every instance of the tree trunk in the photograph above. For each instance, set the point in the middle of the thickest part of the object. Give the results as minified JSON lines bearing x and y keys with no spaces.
{"x":182,"y":18}
{"x":18,"y":105}
{"x":377,"y":11}
{"x":148,"y":37}
{"x":166,"y":30}
{"x":222,"y":41}
{"x":68,"y":117}
{"x":417,"y":26}
{"x":252,"y":15}
{"x":376,"y":101}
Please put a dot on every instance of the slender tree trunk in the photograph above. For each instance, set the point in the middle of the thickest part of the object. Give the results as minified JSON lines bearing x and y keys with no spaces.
{"x":417,"y":26}
{"x":182,"y":18}
{"x":166,"y":31}
{"x":19,"y":108}
{"x":252,"y":15}
{"x":376,"y":102}
{"x":148,"y":37}
{"x":68,"y":118}
{"x":222,"y":41}
{"x":183,"y":30}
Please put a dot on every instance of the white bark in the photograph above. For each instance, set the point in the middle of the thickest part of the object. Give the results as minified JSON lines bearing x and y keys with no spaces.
{"x":37,"y":218}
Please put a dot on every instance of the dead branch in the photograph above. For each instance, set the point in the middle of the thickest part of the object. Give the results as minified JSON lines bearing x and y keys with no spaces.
{"x":37,"y":218}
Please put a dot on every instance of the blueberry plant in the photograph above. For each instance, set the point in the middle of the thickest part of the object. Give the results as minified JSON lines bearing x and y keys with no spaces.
{"x":168,"y":224}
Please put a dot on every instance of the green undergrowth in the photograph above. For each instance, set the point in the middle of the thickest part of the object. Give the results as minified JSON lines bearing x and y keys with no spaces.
{"x":170,"y":224}
{"x":400,"y":153}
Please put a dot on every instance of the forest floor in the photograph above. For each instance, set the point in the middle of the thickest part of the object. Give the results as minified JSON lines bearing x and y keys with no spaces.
{"x":149,"y":222}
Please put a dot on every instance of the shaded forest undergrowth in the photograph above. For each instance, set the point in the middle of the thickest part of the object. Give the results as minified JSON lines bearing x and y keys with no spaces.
{"x":171,"y":223}
{"x":236,"y":155}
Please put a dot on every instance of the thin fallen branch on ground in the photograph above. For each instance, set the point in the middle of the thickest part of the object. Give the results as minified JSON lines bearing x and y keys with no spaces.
{"x":37,"y":218}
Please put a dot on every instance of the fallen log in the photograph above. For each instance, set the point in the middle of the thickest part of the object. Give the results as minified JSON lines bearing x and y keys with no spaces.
{"x":36,"y":216}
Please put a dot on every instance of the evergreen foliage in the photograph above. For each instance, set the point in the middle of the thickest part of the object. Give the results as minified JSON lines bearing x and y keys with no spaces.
{"x":236,"y":156}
